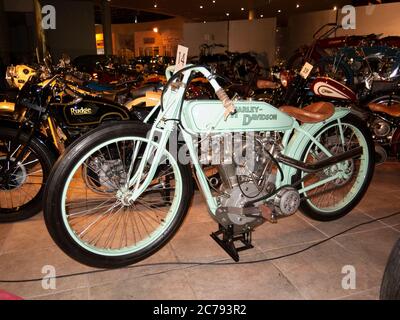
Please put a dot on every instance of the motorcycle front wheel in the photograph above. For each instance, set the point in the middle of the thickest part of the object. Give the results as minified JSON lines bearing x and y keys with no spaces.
{"x":390,"y":288}
{"x":86,"y":211}
{"x":25,"y":165}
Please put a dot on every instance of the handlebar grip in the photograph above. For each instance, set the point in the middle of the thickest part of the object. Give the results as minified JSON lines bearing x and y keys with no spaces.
{"x":169,"y":72}
{"x":227,"y":103}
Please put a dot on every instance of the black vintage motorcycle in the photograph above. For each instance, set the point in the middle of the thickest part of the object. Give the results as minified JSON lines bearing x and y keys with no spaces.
{"x":233,"y":65}
{"x":48,"y":116}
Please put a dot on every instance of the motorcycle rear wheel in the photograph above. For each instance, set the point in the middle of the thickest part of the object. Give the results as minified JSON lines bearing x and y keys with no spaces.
{"x":337,"y":198}
{"x":96,"y":228}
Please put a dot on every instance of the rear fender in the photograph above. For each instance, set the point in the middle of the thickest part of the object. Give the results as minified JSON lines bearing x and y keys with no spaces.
{"x":299,"y":142}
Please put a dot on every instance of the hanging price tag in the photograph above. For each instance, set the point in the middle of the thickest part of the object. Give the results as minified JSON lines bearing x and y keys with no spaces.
{"x":307,"y":68}
{"x":181,"y":57}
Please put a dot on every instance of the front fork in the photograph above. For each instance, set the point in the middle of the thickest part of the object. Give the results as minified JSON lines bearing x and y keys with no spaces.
{"x":6,"y":170}
{"x":160,"y":146}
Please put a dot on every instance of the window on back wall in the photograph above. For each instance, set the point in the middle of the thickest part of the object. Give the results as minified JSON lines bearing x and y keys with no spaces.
{"x":149,"y":40}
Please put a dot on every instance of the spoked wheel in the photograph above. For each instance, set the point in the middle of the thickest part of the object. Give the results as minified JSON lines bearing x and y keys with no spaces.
{"x":24,"y":172}
{"x":338,"y":197}
{"x":89,"y":213}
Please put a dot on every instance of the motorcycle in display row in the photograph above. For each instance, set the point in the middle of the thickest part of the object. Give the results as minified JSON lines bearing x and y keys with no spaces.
{"x":352,"y":60}
{"x":119,"y":194}
{"x":237,"y":67}
{"x":379,"y":108}
{"x":51,"y":111}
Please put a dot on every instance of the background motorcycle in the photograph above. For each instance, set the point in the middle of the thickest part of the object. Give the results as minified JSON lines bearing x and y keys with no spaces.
{"x":294,"y":90}
{"x":348,"y":59}
{"x":47,"y":116}
{"x":232,"y":65}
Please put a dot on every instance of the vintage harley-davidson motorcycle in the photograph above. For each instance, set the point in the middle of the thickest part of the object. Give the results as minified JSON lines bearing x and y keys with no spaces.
{"x":121,"y":192}
{"x":47,"y":116}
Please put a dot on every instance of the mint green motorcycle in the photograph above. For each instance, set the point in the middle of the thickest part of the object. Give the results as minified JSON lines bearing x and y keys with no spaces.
{"x":120,"y":193}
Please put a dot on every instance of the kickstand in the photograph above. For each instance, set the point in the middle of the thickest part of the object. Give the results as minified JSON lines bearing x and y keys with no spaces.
{"x":227,"y":242}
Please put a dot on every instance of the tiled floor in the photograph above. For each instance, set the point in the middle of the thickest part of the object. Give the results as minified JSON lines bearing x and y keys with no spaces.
{"x":25,"y":248}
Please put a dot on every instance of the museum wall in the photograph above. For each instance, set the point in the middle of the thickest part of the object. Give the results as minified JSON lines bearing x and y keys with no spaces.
{"x":75,"y":33}
{"x":18,"y":5}
{"x":195,"y":34}
{"x":380,"y":19}
{"x":4,"y":42}
{"x":235,"y":35}
{"x":257,"y":35}
{"x":133,"y":37}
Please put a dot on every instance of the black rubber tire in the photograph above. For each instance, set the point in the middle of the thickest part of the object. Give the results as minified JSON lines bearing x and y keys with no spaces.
{"x":53,"y":195}
{"x":390,"y":288}
{"x":47,"y":160}
{"x":309,"y":211}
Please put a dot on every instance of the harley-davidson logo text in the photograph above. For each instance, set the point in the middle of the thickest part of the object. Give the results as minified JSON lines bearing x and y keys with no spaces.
{"x":251,"y":114}
{"x":81,"y":112}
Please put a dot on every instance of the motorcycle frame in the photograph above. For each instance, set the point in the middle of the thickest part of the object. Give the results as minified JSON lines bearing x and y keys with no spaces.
{"x":295,"y":141}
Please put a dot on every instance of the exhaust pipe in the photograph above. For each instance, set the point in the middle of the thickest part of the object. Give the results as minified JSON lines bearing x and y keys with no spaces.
{"x":380,"y":154}
{"x":318,"y":166}
{"x":311,"y":168}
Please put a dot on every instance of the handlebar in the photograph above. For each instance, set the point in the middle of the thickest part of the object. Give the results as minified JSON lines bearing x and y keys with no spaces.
{"x":327,"y":33}
{"x":219,"y":91}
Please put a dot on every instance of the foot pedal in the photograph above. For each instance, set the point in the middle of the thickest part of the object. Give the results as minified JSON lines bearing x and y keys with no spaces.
{"x":226,"y":239}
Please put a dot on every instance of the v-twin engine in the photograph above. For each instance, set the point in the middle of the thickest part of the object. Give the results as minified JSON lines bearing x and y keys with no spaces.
{"x":248,"y":171}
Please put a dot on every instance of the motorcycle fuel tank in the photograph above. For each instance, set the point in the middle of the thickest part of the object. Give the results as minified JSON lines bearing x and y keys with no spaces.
{"x":205,"y":116}
{"x":328,"y":88}
{"x":91,"y":112}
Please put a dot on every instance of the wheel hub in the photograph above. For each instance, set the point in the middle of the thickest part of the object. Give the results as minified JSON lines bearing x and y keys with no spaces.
{"x":15,"y":175}
{"x":124,"y":196}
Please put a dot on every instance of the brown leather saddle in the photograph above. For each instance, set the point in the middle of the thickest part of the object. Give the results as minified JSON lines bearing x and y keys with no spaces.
{"x":393,"y":110}
{"x":314,"y":113}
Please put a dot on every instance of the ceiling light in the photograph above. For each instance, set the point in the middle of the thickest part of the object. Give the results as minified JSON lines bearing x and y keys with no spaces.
{"x":279,"y":11}
{"x":297,"y":6}
{"x":214,"y":1}
{"x":155,"y":5}
{"x":242,"y":9}
{"x":201,"y":7}
{"x":227,"y":14}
